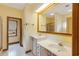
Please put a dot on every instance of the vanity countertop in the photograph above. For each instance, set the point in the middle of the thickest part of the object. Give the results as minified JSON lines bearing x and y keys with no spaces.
{"x":38,"y":36}
{"x":50,"y":42}
{"x":51,"y":45}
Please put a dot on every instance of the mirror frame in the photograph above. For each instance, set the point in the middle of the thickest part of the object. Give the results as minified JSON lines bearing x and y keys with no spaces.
{"x":1,"y":32}
{"x":44,"y":11}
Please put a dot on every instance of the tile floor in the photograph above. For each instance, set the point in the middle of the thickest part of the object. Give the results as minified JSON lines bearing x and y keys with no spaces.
{"x":15,"y":50}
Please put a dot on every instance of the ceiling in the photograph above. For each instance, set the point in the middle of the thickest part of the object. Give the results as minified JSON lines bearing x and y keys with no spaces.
{"x":61,"y":8}
{"x":20,"y":6}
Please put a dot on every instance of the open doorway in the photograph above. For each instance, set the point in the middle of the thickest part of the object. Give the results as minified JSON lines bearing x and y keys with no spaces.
{"x":14,"y":31}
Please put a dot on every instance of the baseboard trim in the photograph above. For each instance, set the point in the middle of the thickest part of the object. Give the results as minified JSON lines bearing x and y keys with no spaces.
{"x":28,"y":51}
{"x":5,"y":49}
{"x":21,"y":45}
{"x":0,"y":49}
{"x":13,"y":43}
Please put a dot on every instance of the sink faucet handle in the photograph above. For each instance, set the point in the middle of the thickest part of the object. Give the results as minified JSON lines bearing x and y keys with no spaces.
{"x":60,"y":44}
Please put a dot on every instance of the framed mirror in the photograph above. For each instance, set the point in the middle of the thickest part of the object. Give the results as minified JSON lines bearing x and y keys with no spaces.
{"x":56,"y":19}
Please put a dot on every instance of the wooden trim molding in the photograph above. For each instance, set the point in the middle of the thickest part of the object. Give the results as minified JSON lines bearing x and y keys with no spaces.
{"x":21,"y":33}
{"x":5,"y":49}
{"x":0,"y":49}
{"x":75,"y":44}
{"x":68,"y":34}
{"x":28,"y":51}
{"x":13,"y":43}
{"x":47,"y":8}
{"x":44,"y":11}
{"x":1,"y":33}
{"x":20,"y":42}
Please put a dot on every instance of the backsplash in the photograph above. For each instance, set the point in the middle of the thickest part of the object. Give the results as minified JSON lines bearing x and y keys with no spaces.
{"x":64,"y":38}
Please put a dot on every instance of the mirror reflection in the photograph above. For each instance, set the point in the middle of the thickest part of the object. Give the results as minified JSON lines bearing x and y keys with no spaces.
{"x":57,"y":19}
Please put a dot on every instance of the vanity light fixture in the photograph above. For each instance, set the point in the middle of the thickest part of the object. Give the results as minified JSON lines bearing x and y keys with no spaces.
{"x":26,"y":24}
{"x":52,"y":14}
{"x":42,"y":7}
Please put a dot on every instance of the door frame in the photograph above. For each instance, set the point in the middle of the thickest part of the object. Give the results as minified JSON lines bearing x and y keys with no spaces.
{"x":20,"y":42}
{"x":1,"y":32}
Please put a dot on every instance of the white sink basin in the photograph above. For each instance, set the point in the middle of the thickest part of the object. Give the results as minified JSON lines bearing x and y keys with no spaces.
{"x":57,"y":47}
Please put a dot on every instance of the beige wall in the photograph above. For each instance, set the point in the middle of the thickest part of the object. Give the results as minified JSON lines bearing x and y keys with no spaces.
{"x":42,"y":22}
{"x":50,"y":19}
{"x":0,"y":33}
{"x":4,"y":12}
{"x":69,"y":19}
{"x":29,"y":17}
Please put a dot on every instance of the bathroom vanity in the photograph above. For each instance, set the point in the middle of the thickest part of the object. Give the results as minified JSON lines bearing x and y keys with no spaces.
{"x":46,"y":45}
